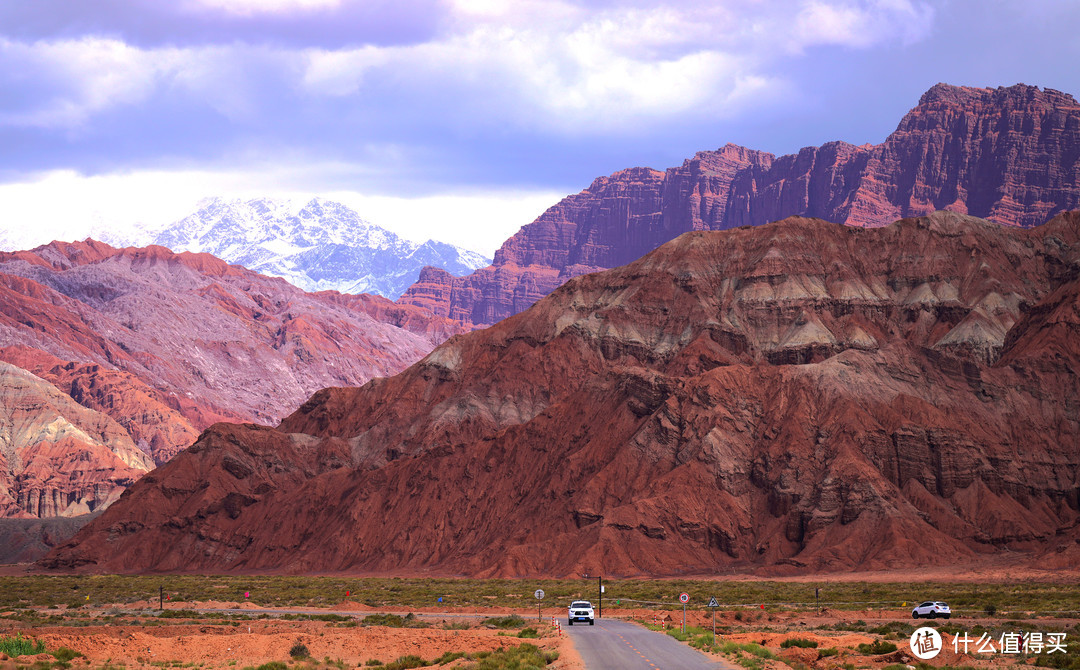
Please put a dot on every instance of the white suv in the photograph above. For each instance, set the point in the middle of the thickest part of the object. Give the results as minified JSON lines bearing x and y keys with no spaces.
{"x":931,"y":610}
{"x":580,"y":610}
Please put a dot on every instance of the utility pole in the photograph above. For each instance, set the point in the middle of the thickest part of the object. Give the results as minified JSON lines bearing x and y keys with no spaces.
{"x":600,"y":589}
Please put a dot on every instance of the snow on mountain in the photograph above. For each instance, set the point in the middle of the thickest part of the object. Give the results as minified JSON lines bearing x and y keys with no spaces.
{"x":322,"y":246}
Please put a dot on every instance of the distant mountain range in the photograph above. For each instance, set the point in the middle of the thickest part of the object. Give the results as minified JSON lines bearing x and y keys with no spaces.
{"x":1009,"y":154}
{"x":322,"y":246}
{"x":116,"y":359}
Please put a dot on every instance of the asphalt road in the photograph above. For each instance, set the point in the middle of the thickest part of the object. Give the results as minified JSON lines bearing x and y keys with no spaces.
{"x":617,"y":645}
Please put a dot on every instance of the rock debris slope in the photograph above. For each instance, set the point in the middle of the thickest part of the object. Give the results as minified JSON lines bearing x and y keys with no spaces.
{"x":1007,"y":154}
{"x":163,"y":345}
{"x":795,"y":396}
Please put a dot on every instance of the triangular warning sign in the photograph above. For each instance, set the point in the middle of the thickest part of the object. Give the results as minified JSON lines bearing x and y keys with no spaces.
{"x":713,"y":603}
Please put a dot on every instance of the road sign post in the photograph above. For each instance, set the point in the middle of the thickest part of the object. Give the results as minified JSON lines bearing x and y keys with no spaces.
{"x":684,"y":598}
{"x":539,"y":596}
{"x":713,"y":604}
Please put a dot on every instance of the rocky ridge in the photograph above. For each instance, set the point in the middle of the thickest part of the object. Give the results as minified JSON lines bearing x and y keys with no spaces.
{"x":798,"y":396}
{"x":165,"y":344}
{"x":1009,"y":155}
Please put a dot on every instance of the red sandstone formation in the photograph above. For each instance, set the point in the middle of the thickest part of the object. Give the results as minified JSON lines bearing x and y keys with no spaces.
{"x":58,"y":458}
{"x":166,"y":344}
{"x":799,"y":396}
{"x":155,"y":427}
{"x":1006,"y":154}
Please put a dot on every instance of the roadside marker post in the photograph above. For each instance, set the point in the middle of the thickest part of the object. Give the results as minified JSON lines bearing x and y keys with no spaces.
{"x":684,"y":598}
{"x":539,"y":596}
{"x":600,"y":610}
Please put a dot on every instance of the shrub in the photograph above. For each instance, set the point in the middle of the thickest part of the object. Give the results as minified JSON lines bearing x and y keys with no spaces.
{"x":990,"y":609}
{"x":180,"y":614}
{"x":63,"y":654}
{"x":299,"y":650}
{"x":528,"y":633}
{"x":524,"y":656}
{"x":798,"y":642}
{"x":826,"y":653}
{"x":391,"y":620}
{"x":749,"y":648}
{"x":449,"y":657}
{"x":20,"y":646}
{"x":273,"y":665}
{"x":373,"y":662}
{"x":877,"y":647}
{"x":406,"y":662}
{"x":512,"y":621}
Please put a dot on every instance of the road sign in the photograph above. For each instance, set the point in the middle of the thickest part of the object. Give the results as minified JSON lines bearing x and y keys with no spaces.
{"x":713,"y":603}
{"x":539,"y":594}
{"x":684,"y":598}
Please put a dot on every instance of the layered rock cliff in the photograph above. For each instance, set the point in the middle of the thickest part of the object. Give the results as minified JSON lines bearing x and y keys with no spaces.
{"x":794,"y":396}
{"x":58,"y":458}
{"x":165,"y":344}
{"x":1009,"y":155}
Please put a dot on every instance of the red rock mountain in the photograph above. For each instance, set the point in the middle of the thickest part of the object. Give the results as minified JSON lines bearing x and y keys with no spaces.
{"x":162,"y":345}
{"x":58,"y":458}
{"x":1009,"y":155}
{"x":794,"y":396}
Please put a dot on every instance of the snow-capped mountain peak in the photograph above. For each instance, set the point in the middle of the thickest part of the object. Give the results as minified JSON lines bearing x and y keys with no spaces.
{"x":319,"y":246}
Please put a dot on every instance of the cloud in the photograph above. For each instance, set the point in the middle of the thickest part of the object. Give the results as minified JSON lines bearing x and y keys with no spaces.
{"x":252,"y":7}
{"x":122,"y":206}
{"x":488,"y":90}
{"x":549,"y":66}
{"x":861,"y":24}
{"x":62,"y":83}
{"x":558,"y":67}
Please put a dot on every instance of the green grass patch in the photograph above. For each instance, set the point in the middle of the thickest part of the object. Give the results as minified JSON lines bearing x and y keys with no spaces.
{"x":389,"y":620}
{"x":799,"y":642}
{"x":511,"y":621}
{"x":21,"y":646}
{"x":524,"y":657}
{"x":876,"y":648}
{"x":66,"y":655}
{"x":449,"y":657}
{"x":406,"y":663}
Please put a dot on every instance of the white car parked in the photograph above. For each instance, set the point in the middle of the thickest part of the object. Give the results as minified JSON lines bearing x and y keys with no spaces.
{"x":931,"y":610}
{"x":580,"y":610}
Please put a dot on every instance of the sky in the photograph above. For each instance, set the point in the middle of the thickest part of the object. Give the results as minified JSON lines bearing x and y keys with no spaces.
{"x":460,"y":120}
